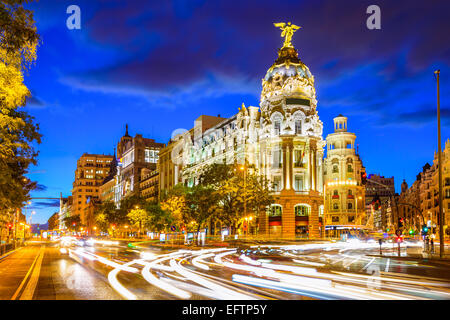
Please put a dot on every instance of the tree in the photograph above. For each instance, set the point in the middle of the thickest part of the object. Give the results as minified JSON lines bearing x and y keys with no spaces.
{"x":233,"y":189}
{"x":107,"y":215}
{"x":72,"y":222}
{"x":18,"y":132}
{"x":158,"y":219}
{"x":138,"y":217}
{"x":202,"y":204}
{"x":175,"y":204}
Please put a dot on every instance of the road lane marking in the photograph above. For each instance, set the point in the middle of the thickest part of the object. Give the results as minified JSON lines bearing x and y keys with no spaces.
{"x":26,"y":276}
{"x":31,"y":285}
{"x":387,"y":265}
{"x":365,"y":267}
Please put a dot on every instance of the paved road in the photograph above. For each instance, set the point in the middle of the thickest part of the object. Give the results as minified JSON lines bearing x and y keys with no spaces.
{"x":109,"y":270}
{"x":40,"y":272}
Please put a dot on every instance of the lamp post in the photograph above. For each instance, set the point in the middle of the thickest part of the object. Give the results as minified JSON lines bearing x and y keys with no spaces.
{"x":441,"y":214}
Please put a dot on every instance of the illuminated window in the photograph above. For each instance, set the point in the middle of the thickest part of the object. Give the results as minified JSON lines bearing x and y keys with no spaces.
{"x":298,"y":183}
{"x":275,"y":210}
{"x":302,"y":210}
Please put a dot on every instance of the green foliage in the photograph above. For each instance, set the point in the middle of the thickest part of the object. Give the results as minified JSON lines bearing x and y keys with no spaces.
{"x":222,"y":194}
{"x":107,"y":214}
{"x":18,"y":132}
{"x":158,"y":219}
{"x":72,"y":222}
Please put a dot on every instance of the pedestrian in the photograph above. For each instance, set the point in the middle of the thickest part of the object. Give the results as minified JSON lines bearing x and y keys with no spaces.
{"x":432,"y":245}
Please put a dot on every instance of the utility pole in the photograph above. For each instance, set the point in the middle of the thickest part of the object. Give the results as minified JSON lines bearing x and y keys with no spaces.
{"x":441,"y":213}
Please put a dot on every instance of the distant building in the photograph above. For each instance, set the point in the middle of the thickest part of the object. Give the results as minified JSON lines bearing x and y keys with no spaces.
{"x":91,"y":170}
{"x":106,"y":190}
{"x":65,"y":210}
{"x":379,"y":194}
{"x":53,"y":222}
{"x":149,"y":185}
{"x":344,"y":192}
{"x":133,"y":154}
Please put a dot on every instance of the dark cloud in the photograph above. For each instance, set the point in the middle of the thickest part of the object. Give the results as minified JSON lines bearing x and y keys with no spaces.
{"x":44,"y":204}
{"x":40,"y":187}
{"x":173,"y":52}
{"x":34,"y":102}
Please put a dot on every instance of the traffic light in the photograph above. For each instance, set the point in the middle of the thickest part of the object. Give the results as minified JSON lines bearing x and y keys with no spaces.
{"x":363,"y":178}
{"x":424,"y":230}
{"x":400,"y":222}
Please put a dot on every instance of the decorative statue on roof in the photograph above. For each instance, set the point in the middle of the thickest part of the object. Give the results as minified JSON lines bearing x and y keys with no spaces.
{"x":288,"y":31}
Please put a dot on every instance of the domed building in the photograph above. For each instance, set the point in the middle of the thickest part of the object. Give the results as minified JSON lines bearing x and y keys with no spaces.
{"x":282,"y":139}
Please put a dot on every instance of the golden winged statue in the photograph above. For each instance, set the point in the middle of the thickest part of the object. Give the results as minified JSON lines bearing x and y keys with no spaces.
{"x":288,"y":31}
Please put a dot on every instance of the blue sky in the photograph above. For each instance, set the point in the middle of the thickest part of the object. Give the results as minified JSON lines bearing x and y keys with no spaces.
{"x":158,"y":65}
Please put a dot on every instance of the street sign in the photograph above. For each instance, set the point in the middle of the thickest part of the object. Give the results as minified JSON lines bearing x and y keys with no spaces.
{"x":173,"y":228}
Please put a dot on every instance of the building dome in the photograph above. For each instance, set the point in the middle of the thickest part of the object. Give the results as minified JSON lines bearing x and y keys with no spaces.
{"x":289,"y":78}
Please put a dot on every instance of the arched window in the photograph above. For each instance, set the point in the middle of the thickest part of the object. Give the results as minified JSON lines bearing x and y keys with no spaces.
{"x":335,"y":193}
{"x":275,"y":210}
{"x":302,"y":210}
{"x":321,"y":211}
{"x":335,"y":168}
{"x":349,"y":192}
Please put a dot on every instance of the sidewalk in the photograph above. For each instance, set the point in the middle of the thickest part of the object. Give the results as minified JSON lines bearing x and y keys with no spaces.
{"x":418,"y":254}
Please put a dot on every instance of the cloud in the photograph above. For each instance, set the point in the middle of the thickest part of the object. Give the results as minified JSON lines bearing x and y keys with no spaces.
{"x":175,"y":53}
{"x":35,"y":103}
{"x":45,"y":204}
{"x":40,"y":187}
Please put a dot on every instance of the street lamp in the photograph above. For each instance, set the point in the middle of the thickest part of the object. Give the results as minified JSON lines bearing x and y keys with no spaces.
{"x":441,"y":213}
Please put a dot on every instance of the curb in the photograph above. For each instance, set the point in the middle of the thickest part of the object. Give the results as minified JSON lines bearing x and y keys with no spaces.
{"x":429,"y":260}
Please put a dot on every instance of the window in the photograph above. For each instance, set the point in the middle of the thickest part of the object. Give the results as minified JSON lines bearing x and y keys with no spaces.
{"x":276,"y":183}
{"x":277,"y":159}
{"x":335,"y":206}
{"x":349,"y":192}
{"x":275,"y":210}
{"x":276,"y":127}
{"x":302,"y":210}
{"x":349,"y":168}
{"x":351,"y":219}
{"x":298,"y":158}
{"x":151,"y":156}
{"x":298,"y":127}
{"x":335,"y":219}
{"x":349,"y":206}
{"x":335,"y":169}
{"x":298,"y":183}
{"x":335,"y":193}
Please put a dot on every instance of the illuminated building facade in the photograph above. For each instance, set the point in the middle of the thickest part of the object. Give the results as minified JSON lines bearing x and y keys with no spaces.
{"x":89,"y":175}
{"x":282,"y":138}
{"x":149,"y":185}
{"x":344,"y":191}
{"x":134,"y":154}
